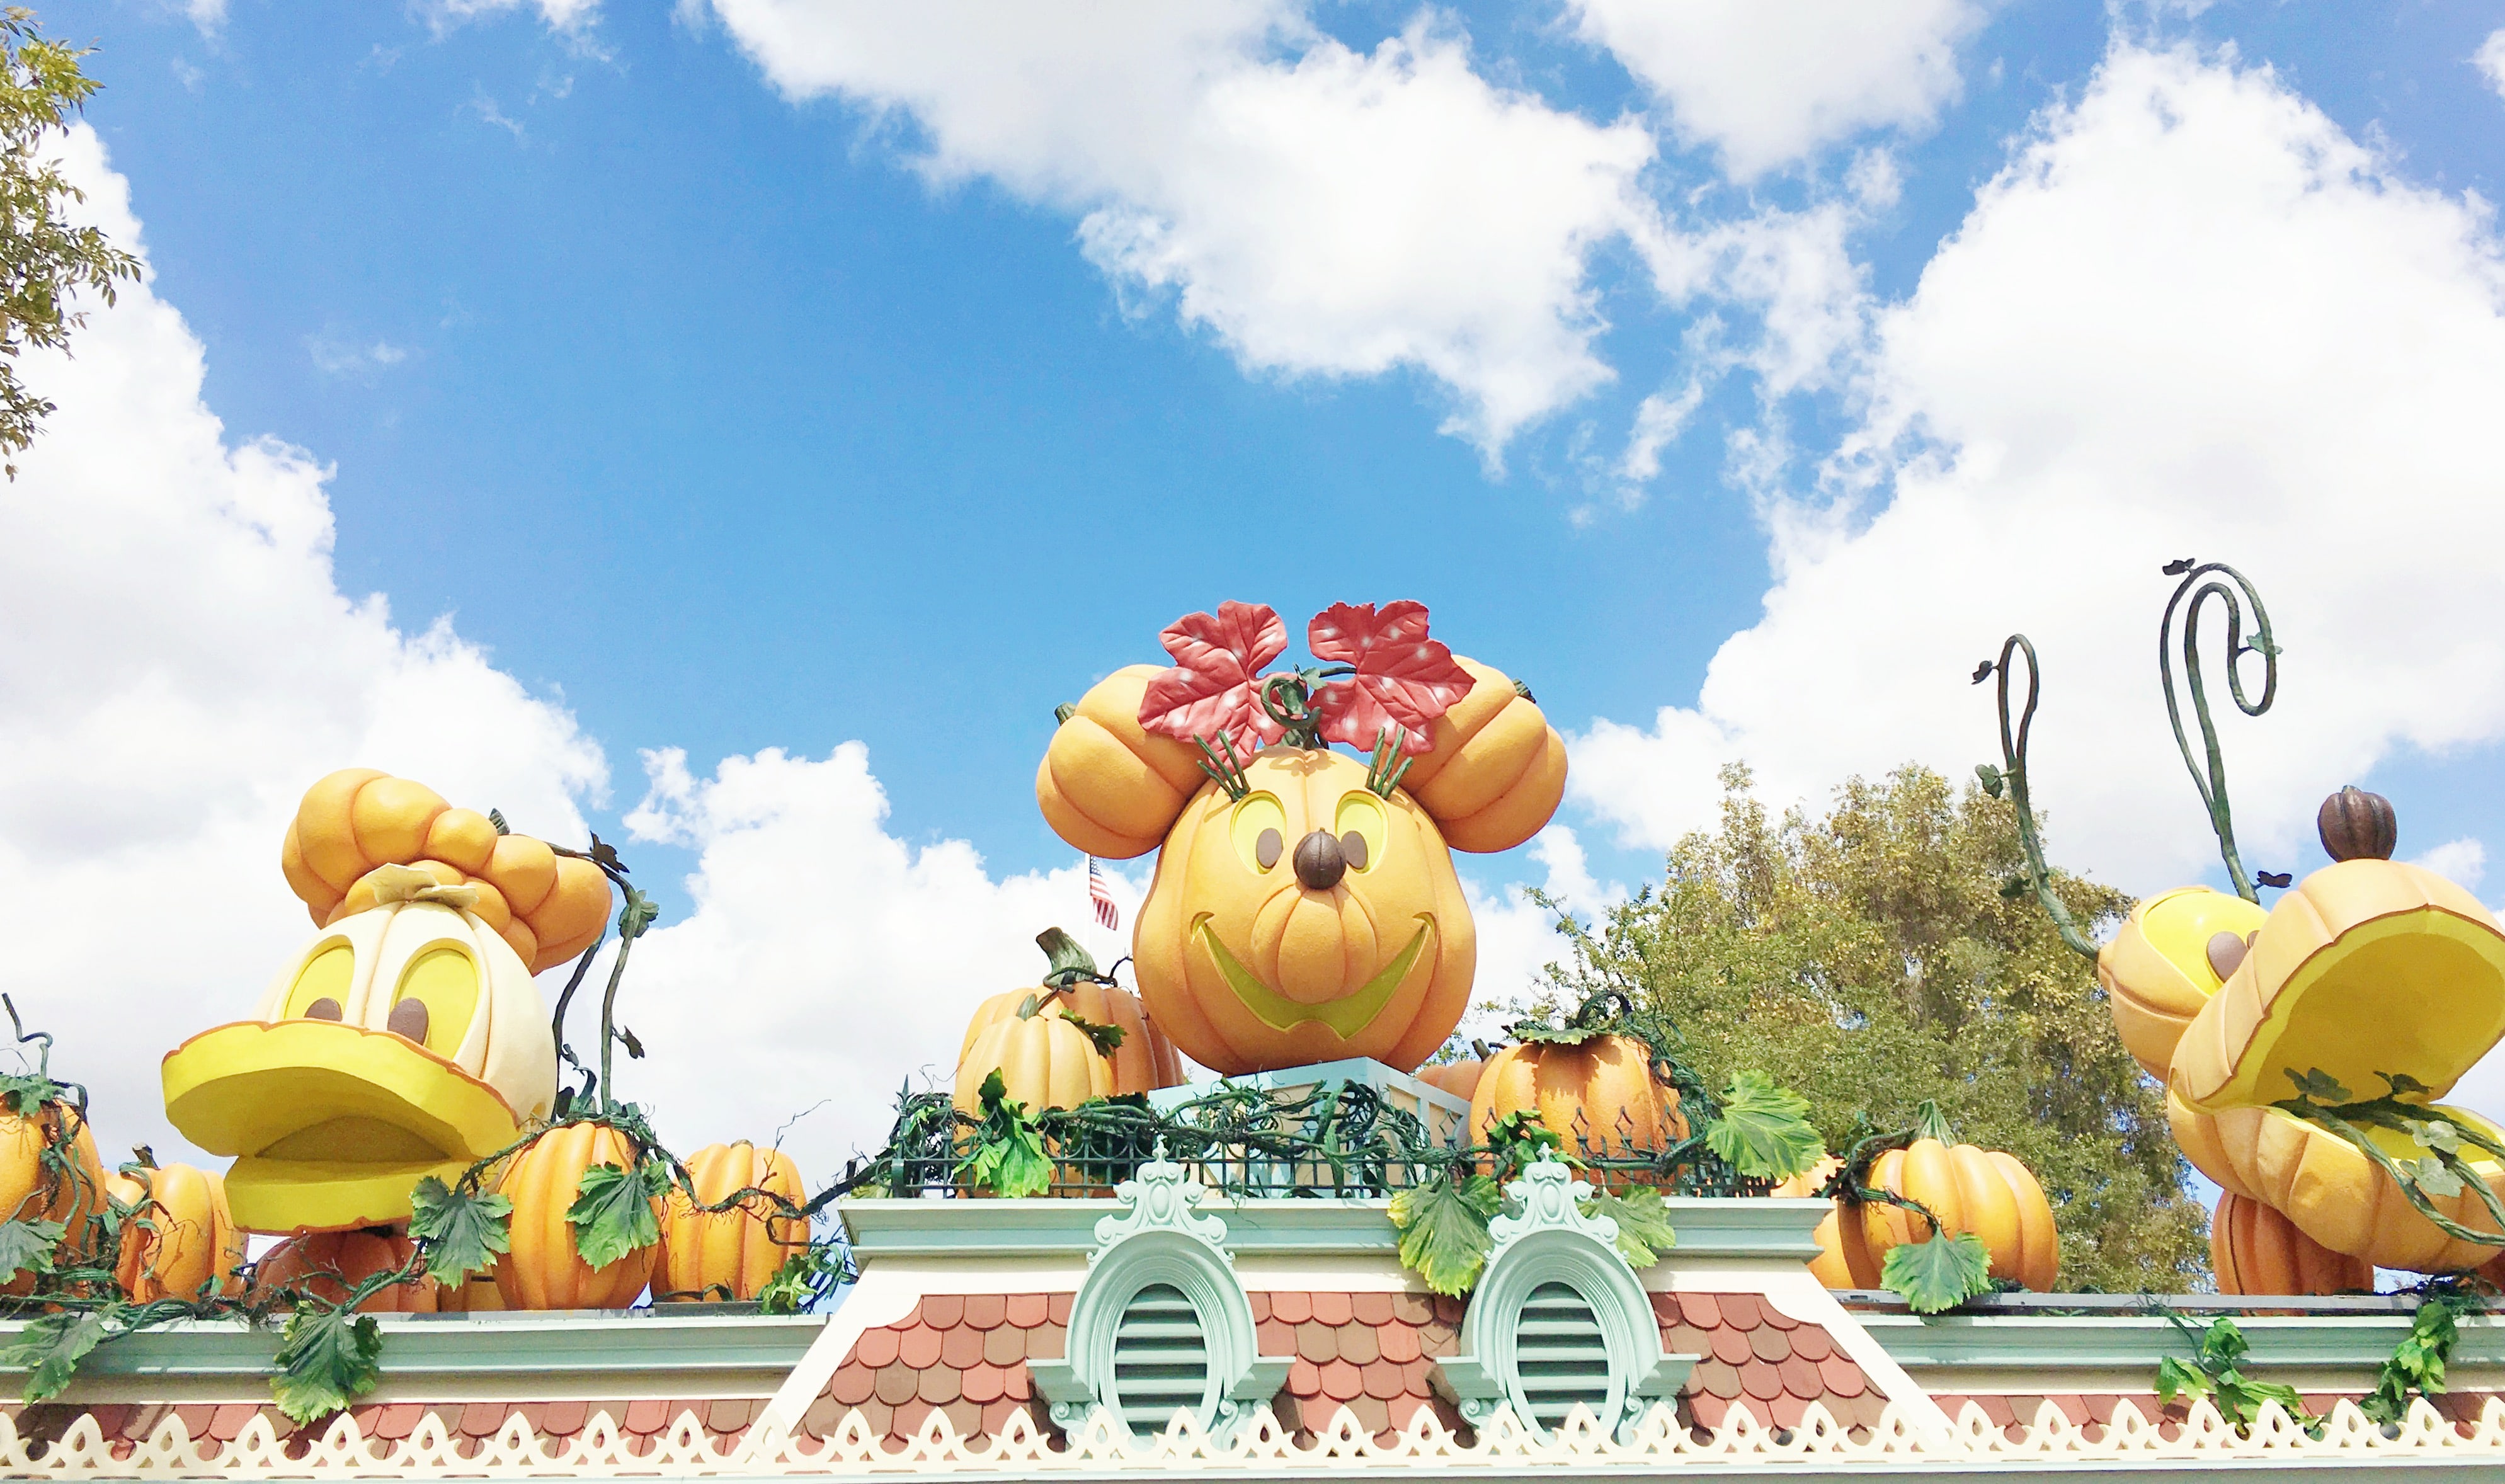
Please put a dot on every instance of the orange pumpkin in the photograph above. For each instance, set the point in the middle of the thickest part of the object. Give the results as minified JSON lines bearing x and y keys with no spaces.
{"x":1843,"y":1259}
{"x":2255,"y":1249}
{"x":1984,"y":1192}
{"x":544,"y":1269}
{"x":548,"y":907}
{"x":1107,"y":783}
{"x":728,"y":1253}
{"x":31,"y":1193}
{"x":1494,"y":769}
{"x":1461,"y":1079}
{"x":476,"y":1293}
{"x":329,"y":1264}
{"x":1598,"y":1095}
{"x":1044,"y":1058}
{"x":176,"y":1235}
{"x":1146,"y":1060}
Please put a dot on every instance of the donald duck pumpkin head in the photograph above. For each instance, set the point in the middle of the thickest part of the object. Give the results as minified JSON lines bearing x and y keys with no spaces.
{"x":1304,"y":907}
{"x":403,"y":1041}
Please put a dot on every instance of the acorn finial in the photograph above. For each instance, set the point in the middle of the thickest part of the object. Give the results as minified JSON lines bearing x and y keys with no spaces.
{"x":2357,"y":826}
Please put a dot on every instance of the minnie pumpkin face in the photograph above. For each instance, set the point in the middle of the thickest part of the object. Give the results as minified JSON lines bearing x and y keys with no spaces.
{"x":1309,"y":920}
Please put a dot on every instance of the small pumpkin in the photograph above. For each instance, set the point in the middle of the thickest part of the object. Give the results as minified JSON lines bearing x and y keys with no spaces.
{"x":1494,"y":771}
{"x":177,"y":1238}
{"x":1987,"y":1192}
{"x":728,"y":1253}
{"x":475,"y":1294}
{"x":1144,"y":1061}
{"x":1108,"y":785}
{"x":2255,"y":1249}
{"x":1044,"y":1059}
{"x":544,"y":1269}
{"x":31,"y":1193}
{"x":1310,"y":920}
{"x":327,"y":1265}
{"x":2357,"y":826}
{"x":1461,"y":1077}
{"x":547,"y":907}
{"x":1843,"y":1262}
{"x":1598,"y":1095}
{"x":2168,"y":957}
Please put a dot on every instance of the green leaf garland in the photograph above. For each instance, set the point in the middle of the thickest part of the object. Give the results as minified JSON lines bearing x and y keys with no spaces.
{"x":1443,"y":1227}
{"x":1764,"y":1130}
{"x":462,"y":1233}
{"x":1937,"y":1274}
{"x":326,"y":1358}
{"x":1643,"y":1223}
{"x":612,"y":1211}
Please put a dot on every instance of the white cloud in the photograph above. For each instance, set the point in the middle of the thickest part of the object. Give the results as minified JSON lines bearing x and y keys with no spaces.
{"x":2191,"y":318}
{"x":179,"y":664}
{"x":1323,"y":212}
{"x":1769,"y":82}
{"x":210,"y":15}
{"x":2463,"y":862}
{"x":2489,"y":59}
{"x":1518,"y":940}
{"x":336,"y":357}
{"x":570,"y":15}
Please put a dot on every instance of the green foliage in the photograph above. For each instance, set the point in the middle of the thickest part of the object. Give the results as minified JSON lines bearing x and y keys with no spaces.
{"x":2214,"y":1372}
{"x":1107,"y":1037}
{"x":1519,"y":1140}
{"x":1937,"y":1274}
{"x":1867,"y":960}
{"x":2417,"y":1364}
{"x":1007,"y":1157}
{"x":326,"y":1358}
{"x":612,"y":1211}
{"x":805,"y":1277}
{"x":51,"y":1347}
{"x":2442,"y":1172}
{"x":1643,"y":1224}
{"x":462,"y":1232}
{"x":1764,"y":1130}
{"x":43,"y":259}
{"x":1443,"y":1226}
{"x":25,"y":1092}
{"x":28,"y":1245}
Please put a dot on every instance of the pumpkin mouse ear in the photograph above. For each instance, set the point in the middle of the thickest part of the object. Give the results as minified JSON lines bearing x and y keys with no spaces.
{"x":1107,"y":786}
{"x":1494,"y":769}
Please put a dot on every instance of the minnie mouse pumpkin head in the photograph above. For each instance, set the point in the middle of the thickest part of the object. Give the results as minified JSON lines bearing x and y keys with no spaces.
{"x":1305,"y":907}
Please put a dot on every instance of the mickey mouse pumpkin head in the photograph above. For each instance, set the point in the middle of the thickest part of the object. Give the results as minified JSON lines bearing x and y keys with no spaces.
{"x":1304,"y":907}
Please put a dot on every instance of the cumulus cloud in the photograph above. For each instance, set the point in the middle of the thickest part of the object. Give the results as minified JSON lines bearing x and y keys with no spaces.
{"x":568,"y":16}
{"x":2489,"y":59}
{"x":1322,"y":211}
{"x":1768,"y":82}
{"x":2191,"y":317}
{"x":180,"y":663}
{"x":2463,"y":860}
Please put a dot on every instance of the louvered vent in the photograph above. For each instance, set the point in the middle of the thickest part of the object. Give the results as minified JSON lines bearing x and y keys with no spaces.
{"x":1160,"y":1361}
{"x":1560,"y":1357}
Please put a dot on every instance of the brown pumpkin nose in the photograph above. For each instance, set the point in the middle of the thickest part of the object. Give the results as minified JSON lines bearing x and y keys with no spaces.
{"x":1319,"y":862}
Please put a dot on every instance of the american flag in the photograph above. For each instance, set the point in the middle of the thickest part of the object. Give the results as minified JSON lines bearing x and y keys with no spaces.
{"x":1108,"y":916}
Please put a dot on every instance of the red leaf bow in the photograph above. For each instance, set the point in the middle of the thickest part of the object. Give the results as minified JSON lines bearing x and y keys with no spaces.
{"x":1403,"y":679}
{"x":1216,"y":671}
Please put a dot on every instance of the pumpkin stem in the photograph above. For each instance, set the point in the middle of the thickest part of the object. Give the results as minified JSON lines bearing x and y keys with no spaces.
{"x":1065,"y":962}
{"x":1930,"y":1123}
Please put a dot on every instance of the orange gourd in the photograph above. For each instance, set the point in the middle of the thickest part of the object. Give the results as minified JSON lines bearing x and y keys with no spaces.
{"x":548,"y":907}
{"x":177,"y":1238}
{"x":1044,"y":1058}
{"x":544,"y":1269}
{"x":1144,"y":1061}
{"x":1461,"y":1079}
{"x":31,"y":1193}
{"x":729,"y":1253}
{"x":2255,"y":1249}
{"x":1843,"y":1259}
{"x":1984,"y":1192}
{"x":1598,"y":1095}
{"x":329,"y":1264}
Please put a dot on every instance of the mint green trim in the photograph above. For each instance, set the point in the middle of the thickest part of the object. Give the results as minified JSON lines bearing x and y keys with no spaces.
{"x":1552,"y":1241}
{"x":2063,"y":1342}
{"x":1708,"y":1228}
{"x":713,"y":1347}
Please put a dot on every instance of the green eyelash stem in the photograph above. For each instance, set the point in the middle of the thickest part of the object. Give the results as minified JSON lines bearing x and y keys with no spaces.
{"x":1220,"y":763}
{"x":1389,"y":767}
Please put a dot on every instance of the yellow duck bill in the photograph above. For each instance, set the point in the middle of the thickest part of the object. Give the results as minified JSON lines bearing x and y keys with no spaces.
{"x":330,"y":1124}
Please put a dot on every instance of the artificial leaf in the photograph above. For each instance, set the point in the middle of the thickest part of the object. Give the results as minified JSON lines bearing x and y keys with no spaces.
{"x":26,"y":1244}
{"x":1643,"y":1223}
{"x":2175,"y":1378}
{"x":1764,"y":1130}
{"x":2430,"y":1176}
{"x":1217,"y":661}
{"x":23,"y":1093}
{"x":636,"y":915}
{"x":1992,"y":783}
{"x":1939,"y":1272}
{"x":1531,"y":1031}
{"x":2437,"y":1135}
{"x":1444,"y":1230}
{"x":626,"y":1039}
{"x":1403,"y":679}
{"x":49,"y":1348}
{"x":805,"y":1277}
{"x":1519,"y":1140}
{"x":613,"y":1211}
{"x":1007,"y":1157}
{"x":462,"y":1233}
{"x":2405,"y":1085}
{"x":2318,"y":1085}
{"x":326,"y":1358}
{"x":1108,"y":1038}
{"x":605,"y":854}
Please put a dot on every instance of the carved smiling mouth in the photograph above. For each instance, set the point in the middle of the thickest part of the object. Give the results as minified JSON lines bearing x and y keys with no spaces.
{"x":1346,"y":1015}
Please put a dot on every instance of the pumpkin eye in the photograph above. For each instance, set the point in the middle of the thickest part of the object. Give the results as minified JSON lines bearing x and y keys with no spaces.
{"x":1260,"y":831}
{"x":321,"y":986}
{"x":1362,"y":829}
{"x":439,"y":993}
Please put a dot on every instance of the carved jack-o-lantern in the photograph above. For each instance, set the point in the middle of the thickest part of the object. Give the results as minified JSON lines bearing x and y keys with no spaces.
{"x":401,"y":1041}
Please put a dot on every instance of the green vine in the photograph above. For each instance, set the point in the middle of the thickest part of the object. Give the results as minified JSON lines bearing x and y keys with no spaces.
{"x":2200,"y":583}
{"x":2417,"y":1364}
{"x":2011,"y":776}
{"x":1940,"y":1272}
{"x":2216,"y":1371}
{"x":2439,"y":1172}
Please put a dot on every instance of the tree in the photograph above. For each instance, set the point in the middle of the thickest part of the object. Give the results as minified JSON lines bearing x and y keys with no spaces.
{"x":43,"y":259}
{"x":1870,"y":960}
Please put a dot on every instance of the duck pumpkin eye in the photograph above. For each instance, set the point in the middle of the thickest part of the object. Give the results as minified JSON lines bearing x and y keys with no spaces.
{"x":1260,"y":831}
{"x":321,"y":986}
{"x":438,"y":994}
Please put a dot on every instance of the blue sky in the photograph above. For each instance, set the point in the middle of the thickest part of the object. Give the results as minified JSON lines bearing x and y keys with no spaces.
{"x":774,"y":378}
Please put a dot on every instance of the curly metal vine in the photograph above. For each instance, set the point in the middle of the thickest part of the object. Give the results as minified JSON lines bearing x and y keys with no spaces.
{"x":2201,"y":585}
{"x":2013,"y":771}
